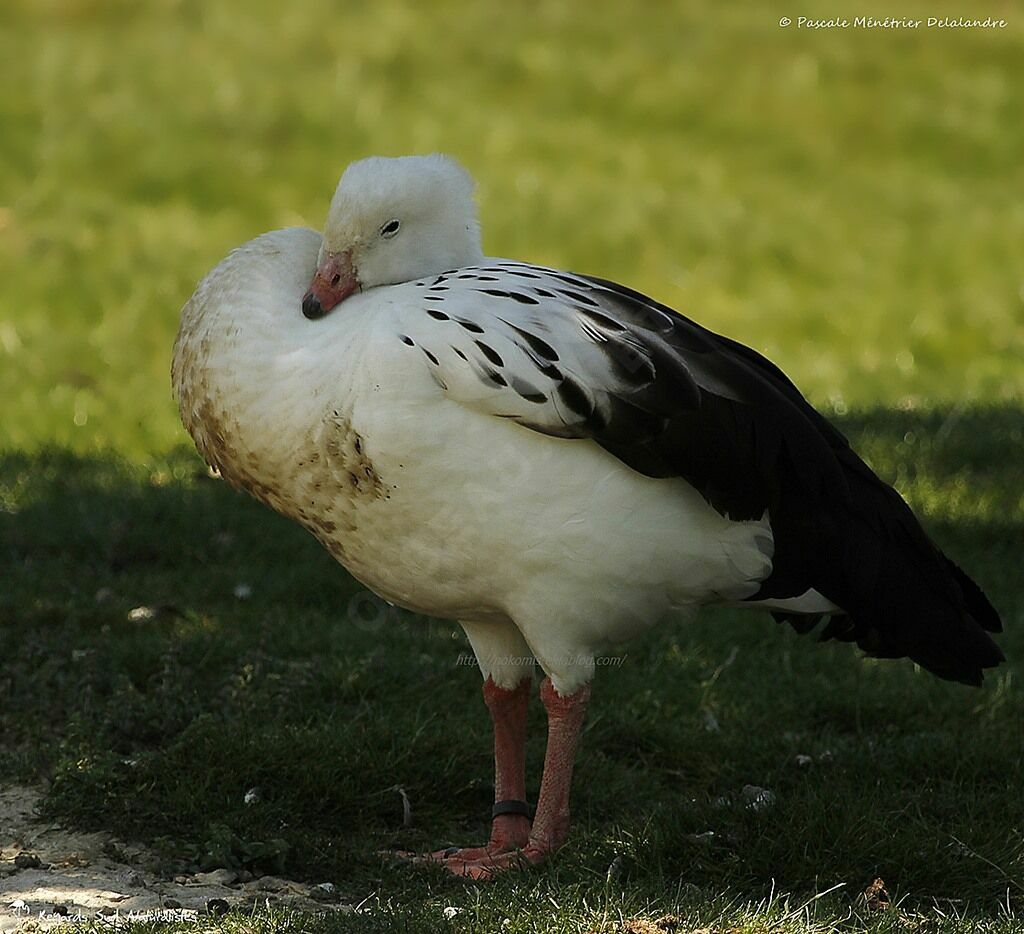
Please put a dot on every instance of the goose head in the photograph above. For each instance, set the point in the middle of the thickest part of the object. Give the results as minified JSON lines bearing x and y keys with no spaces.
{"x":391,"y":221}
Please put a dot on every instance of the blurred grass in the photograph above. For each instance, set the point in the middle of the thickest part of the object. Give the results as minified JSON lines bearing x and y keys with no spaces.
{"x":848,"y":202}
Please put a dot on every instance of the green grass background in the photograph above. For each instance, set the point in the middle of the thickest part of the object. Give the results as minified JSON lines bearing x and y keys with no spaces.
{"x":850,"y":202}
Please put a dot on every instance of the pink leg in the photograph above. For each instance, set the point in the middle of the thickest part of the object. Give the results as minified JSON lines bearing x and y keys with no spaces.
{"x":508,"y":713}
{"x":509,"y":832}
{"x":551,"y":822}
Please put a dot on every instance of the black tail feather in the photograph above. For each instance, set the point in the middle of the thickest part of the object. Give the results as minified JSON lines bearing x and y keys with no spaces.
{"x":977,"y":603}
{"x":901,"y":596}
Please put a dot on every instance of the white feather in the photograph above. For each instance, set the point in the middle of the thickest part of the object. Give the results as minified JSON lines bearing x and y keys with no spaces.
{"x":402,"y":466}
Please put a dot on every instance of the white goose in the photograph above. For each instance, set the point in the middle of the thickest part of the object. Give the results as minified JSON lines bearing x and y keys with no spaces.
{"x":554,"y":460}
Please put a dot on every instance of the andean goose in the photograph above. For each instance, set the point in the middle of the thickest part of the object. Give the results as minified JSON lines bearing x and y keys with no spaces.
{"x":554,"y":460}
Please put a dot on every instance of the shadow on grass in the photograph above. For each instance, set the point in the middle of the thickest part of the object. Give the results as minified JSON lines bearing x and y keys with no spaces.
{"x":168,"y":645}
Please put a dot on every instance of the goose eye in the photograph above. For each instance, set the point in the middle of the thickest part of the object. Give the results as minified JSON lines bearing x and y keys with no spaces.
{"x":390,"y":228}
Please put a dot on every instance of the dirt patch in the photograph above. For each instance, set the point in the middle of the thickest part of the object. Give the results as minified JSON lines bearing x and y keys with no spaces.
{"x":50,"y":875}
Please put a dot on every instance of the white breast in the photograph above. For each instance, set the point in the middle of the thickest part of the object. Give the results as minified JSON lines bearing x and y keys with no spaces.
{"x":438,"y":507}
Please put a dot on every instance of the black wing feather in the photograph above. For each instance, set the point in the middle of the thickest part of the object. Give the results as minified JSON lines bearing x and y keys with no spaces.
{"x":737,"y":428}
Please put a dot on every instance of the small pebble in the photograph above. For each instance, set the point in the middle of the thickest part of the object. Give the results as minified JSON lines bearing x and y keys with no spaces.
{"x":324,"y":892}
{"x":217,"y":907}
{"x":217,"y":877}
{"x":757,"y":798}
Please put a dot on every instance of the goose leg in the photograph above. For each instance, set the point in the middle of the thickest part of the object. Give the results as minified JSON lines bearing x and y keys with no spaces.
{"x":509,"y":832}
{"x":551,"y":822}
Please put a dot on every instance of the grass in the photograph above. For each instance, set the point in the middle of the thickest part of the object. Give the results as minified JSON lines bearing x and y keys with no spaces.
{"x":326,"y":700}
{"x":844,"y":201}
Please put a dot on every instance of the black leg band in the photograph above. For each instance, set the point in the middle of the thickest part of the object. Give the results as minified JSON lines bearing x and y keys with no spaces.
{"x":511,"y":807}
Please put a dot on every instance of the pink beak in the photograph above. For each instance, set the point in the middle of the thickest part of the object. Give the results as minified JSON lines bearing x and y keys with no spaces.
{"x":335,"y":280}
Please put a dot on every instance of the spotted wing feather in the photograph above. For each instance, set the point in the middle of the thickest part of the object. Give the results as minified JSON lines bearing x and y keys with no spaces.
{"x":580,"y":357}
